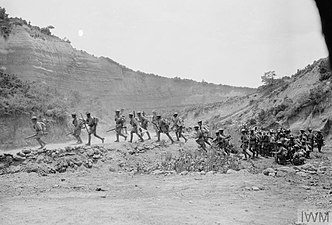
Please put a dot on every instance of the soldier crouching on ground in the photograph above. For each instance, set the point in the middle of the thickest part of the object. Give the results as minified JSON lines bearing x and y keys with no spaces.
{"x":119,"y":124}
{"x":133,"y":122}
{"x":281,"y":155}
{"x":78,"y":124}
{"x":92,"y":123}
{"x":163,"y":127}
{"x":38,"y":127}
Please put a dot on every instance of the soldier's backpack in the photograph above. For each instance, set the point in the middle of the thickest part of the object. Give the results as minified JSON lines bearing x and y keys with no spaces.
{"x":43,"y":127}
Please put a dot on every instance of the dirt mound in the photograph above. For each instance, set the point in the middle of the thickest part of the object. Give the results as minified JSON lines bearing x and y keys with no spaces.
{"x":134,"y":158}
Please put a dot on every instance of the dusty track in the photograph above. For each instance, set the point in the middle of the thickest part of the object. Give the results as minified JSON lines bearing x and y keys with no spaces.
{"x":98,"y":196}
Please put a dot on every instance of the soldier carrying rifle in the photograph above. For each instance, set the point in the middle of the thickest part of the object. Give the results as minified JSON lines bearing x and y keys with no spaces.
{"x":119,"y":124}
{"x":40,"y":129}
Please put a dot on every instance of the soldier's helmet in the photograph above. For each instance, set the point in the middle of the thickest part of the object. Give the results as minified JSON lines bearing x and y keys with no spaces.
{"x":117,"y":110}
{"x":217,"y":132}
{"x":319,"y":131}
{"x":302,"y":130}
{"x":243,"y":130}
{"x":309,"y":129}
{"x":199,"y":121}
{"x":88,"y":113}
{"x":279,"y":143}
{"x":196,"y":126}
{"x":153,"y":111}
{"x":139,"y":113}
{"x":34,"y":118}
{"x":221,"y":130}
{"x":175,"y":114}
{"x":158,"y":116}
{"x":73,"y":114}
{"x":130,"y":114}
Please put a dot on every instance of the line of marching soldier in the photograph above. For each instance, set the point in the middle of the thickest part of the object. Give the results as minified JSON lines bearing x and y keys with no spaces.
{"x":282,"y":144}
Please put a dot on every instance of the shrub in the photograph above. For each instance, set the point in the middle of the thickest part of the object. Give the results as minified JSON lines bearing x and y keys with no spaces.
{"x":21,"y":97}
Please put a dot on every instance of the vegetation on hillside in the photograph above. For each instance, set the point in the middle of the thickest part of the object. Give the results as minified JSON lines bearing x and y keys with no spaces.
{"x":19,"y":97}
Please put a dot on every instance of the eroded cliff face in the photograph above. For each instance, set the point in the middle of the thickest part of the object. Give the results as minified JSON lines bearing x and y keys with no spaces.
{"x":101,"y":83}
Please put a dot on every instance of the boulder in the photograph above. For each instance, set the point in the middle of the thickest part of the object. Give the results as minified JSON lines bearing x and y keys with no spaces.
{"x":18,"y":158}
{"x":254,"y":188}
{"x":90,"y":152}
{"x":230,"y":171}
{"x":281,"y":174}
{"x":203,"y":173}
{"x":267,"y":171}
{"x":272,"y":174}
{"x":26,"y":151}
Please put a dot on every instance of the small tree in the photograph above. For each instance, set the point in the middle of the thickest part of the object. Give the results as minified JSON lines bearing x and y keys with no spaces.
{"x":268,"y":78}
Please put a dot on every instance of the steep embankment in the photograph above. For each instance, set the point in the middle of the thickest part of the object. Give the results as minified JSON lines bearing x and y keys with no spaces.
{"x":100,"y":82}
{"x":300,"y":101}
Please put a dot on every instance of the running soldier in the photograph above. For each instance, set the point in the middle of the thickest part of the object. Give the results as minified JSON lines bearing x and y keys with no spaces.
{"x":253,"y":143}
{"x":319,"y":140}
{"x":135,"y":125}
{"x":124,"y":127}
{"x":199,"y":138}
{"x":154,"y":122}
{"x":78,"y":125}
{"x":245,"y":143}
{"x":40,"y":129}
{"x":163,"y":127}
{"x":119,"y":124}
{"x":144,"y":124}
{"x":204,"y":131}
{"x":92,"y":122}
{"x":178,"y":125}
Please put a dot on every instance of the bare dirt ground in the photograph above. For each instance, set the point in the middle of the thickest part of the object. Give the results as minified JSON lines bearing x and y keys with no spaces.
{"x":99,"y":196}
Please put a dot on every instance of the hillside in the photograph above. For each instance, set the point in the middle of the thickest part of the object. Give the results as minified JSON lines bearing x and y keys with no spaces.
{"x":103,"y":85}
{"x":300,"y":101}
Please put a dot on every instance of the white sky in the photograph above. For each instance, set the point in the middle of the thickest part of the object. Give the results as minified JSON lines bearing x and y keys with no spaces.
{"x":221,"y":41}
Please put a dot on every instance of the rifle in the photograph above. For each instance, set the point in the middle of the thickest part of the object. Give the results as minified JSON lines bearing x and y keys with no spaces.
{"x":69,"y":133}
{"x":84,"y":123}
{"x":31,"y":136}
{"x":110,"y":130}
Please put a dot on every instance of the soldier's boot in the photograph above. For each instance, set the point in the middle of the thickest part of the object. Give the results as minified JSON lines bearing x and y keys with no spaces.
{"x":131,"y":137}
{"x":148,"y":135}
{"x":185,"y":139}
{"x":117,"y":138}
{"x":158,"y":136}
{"x":79,"y":140}
{"x":102,"y":139}
{"x":140,"y":137}
{"x":89,"y":140}
{"x":169,"y":136}
{"x":177,"y":136}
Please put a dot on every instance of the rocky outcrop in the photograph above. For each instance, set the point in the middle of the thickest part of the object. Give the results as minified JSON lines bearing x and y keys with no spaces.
{"x":100,"y":82}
